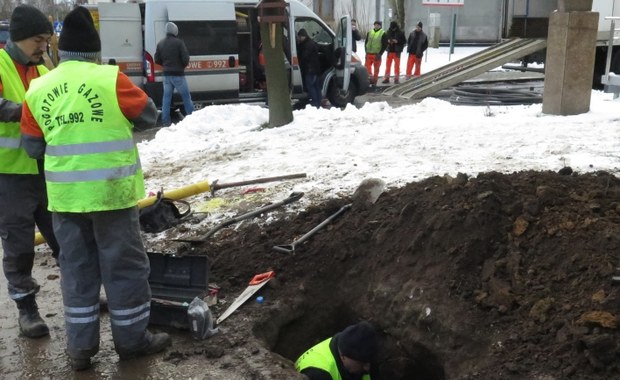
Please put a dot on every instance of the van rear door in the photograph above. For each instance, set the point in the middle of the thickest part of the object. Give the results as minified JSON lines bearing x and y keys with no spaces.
{"x":120,"y":29}
{"x":344,"y":37}
{"x":209,"y":31}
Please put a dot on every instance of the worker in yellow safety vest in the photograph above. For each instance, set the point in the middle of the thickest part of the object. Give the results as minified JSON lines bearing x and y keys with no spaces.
{"x":23,"y":200}
{"x":375,"y":45}
{"x":345,"y":356}
{"x":80,"y":116}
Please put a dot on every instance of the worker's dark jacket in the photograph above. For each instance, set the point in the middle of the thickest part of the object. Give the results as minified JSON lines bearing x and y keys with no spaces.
{"x":356,"y":37}
{"x":417,"y":43}
{"x":172,"y":55}
{"x":399,"y":36}
{"x":308,"y":54}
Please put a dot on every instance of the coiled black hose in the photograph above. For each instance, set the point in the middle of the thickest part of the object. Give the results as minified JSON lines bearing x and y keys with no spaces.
{"x":499,"y":94}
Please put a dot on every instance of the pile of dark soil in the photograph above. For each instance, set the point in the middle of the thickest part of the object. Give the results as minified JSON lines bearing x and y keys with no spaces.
{"x":493,"y":277}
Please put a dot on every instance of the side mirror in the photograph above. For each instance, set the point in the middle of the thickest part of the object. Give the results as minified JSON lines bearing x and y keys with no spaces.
{"x":231,"y":61}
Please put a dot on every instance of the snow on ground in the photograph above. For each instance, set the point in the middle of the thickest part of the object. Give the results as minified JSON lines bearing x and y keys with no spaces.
{"x":337,"y":148}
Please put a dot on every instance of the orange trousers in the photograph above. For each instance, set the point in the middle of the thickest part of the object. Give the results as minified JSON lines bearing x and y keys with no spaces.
{"x":372,"y":65}
{"x":411,"y":62}
{"x":393,"y":58}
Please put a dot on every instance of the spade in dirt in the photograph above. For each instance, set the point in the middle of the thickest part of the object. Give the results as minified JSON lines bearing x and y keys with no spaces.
{"x":366,"y":193}
{"x":291,"y":198}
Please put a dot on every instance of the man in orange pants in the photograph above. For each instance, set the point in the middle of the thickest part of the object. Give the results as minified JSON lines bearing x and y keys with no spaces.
{"x":396,"y":43}
{"x":417,"y":43}
{"x":376,"y":43}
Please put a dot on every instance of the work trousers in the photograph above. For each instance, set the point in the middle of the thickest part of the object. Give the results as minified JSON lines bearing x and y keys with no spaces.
{"x":311,"y":81}
{"x":170,"y":83}
{"x":372,"y":66}
{"x":103,"y":247}
{"x":393,"y":58}
{"x":23,"y":204}
{"x":412,"y":61}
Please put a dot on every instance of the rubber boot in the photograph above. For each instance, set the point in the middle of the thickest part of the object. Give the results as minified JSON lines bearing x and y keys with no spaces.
{"x":158,"y":343}
{"x":31,"y":324}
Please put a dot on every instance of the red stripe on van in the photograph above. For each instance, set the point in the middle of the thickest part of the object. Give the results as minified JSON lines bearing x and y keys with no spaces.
{"x":205,"y":64}
{"x":209,"y":64}
{"x":135,"y":66}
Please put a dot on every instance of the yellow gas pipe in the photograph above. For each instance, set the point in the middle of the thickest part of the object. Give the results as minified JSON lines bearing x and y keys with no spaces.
{"x":176,"y":194}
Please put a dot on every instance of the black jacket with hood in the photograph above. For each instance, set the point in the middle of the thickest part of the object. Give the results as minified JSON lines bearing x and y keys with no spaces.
{"x":396,"y":39}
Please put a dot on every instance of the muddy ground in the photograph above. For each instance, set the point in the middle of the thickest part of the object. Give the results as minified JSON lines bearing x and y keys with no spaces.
{"x":499,"y":276}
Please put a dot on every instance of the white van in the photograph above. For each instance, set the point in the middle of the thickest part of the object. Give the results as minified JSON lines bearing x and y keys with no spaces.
{"x":223,"y":39}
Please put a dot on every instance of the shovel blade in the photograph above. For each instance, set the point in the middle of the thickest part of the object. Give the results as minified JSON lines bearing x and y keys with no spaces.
{"x":369,"y":190}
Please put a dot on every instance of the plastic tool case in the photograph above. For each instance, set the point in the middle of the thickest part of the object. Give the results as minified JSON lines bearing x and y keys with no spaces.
{"x":175,"y":281}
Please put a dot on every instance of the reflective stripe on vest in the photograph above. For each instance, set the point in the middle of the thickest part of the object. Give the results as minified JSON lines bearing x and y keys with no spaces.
{"x":91,"y":161}
{"x":373,"y":45}
{"x":13,"y":158}
{"x":320,"y":356}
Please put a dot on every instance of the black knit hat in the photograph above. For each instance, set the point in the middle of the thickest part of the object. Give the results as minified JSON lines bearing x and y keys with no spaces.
{"x":420,"y":24}
{"x":78,"y":33}
{"x":27,"y":21}
{"x":358,"y":342}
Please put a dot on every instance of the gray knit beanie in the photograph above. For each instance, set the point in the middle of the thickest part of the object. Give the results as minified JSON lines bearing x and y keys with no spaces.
{"x":171,"y":28}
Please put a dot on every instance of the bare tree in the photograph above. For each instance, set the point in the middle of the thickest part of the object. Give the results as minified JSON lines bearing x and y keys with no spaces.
{"x":49,"y":7}
{"x":361,"y":10}
{"x":398,"y":7}
{"x":6,"y":7}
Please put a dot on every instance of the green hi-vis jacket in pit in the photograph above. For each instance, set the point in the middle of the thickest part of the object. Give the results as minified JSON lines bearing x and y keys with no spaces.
{"x":13,"y":158}
{"x":91,"y":161}
{"x":320,"y":356}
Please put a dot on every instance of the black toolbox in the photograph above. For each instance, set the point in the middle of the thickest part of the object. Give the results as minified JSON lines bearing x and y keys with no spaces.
{"x":175,"y":281}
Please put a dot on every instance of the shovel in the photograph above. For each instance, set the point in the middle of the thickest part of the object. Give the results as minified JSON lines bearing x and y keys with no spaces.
{"x":256,"y":283}
{"x":368,"y":191}
{"x":292,"y":198}
{"x":290,"y":248}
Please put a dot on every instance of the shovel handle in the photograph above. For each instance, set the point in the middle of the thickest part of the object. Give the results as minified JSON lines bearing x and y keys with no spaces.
{"x":322,"y":224}
{"x":262,"y":277}
{"x":289,"y":248}
{"x":292,"y":198}
{"x":216,"y":186}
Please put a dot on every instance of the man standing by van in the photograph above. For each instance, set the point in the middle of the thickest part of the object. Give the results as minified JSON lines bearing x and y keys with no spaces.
{"x":23,"y":199}
{"x":172,"y":55}
{"x":310,"y":66}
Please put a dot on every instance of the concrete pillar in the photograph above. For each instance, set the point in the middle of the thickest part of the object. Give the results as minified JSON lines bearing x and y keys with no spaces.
{"x":569,"y":66}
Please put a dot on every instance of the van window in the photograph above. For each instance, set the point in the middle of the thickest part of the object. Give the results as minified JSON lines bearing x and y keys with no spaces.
{"x":315,"y":30}
{"x":209,"y":37}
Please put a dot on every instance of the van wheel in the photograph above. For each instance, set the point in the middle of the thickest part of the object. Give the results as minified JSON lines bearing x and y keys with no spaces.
{"x":339,"y":98}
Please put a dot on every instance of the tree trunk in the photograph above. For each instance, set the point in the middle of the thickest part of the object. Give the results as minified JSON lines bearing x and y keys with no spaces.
{"x":278,"y":92}
{"x":399,"y":12}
